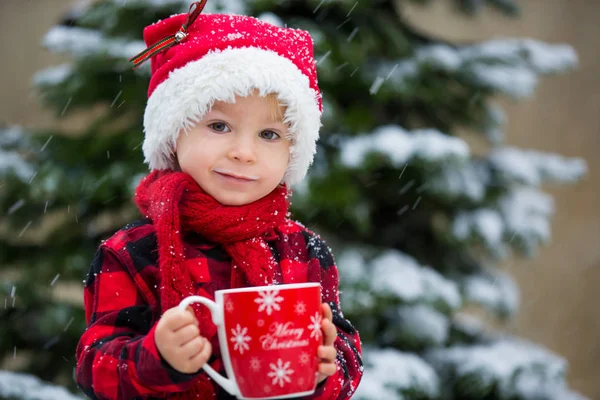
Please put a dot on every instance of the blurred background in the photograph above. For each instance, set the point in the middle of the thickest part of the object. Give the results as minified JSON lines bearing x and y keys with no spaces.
{"x":558,"y":282}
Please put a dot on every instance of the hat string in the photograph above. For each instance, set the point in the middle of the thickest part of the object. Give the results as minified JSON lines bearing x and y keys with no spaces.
{"x":170,"y":40}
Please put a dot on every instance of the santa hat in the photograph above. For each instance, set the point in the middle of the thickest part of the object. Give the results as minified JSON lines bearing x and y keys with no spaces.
{"x":197,"y":59}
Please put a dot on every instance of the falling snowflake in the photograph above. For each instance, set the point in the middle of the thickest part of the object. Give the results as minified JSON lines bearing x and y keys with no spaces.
{"x":260,"y":322}
{"x":315,"y":326}
{"x":304,"y":358}
{"x":267,"y":389}
{"x":255,"y":364}
{"x":229,"y":306}
{"x":240,"y":338}
{"x":268,"y":301}
{"x":301,"y":381}
{"x":300,"y":308}
{"x":280,"y":373}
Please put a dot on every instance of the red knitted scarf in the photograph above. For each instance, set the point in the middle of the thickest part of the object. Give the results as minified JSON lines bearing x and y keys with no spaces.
{"x":175,"y":203}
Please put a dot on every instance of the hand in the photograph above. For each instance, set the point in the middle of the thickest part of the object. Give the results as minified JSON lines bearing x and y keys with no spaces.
{"x":179,"y":342}
{"x":327,"y":352}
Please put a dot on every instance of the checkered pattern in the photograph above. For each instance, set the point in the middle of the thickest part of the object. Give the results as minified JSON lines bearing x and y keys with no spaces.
{"x":117,"y":358}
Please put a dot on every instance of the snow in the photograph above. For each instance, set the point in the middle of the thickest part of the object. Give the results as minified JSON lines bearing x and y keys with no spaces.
{"x":153,"y":3}
{"x":12,"y":135}
{"x":52,"y":75}
{"x":80,"y":42}
{"x":484,"y":223}
{"x":212,"y":7}
{"x":521,"y":217}
{"x":402,"y":146}
{"x":351,"y":266}
{"x":12,"y":162}
{"x":225,"y":7}
{"x":527,"y":212}
{"x":495,"y":118}
{"x":389,"y":372}
{"x":441,"y":56}
{"x":272,"y":19}
{"x":495,"y":291}
{"x":515,"y":368}
{"x":456,"y":180}
{"x":422,"y":324}
{"x":395,"y":273}
{"x":513,"y":80}
{"x":509,"y":66}
{"x":28,"y":387}
{"x":534,"y":167}
{"x":539,"y":56}
{"x":468,"y":324}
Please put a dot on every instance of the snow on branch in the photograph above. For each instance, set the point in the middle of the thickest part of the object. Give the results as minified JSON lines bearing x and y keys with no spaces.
{"x":505,"y":167}
{"x":494,"y":290}
{"x":526,"y":213}
{"x":417,"y":326}
{"x":535,"y":167}
{"x":213,"y":6}
{"x":81,"y":43}
{"x":485,"y":224}
{"x":508,"y":368}
{"x":508,"y":66}
{"x":396,"y":274}
{"x":390,"y":374}
{"x":541,"y":57}
{"x":13,"y":138}
{"x":402,"y":146}
{"x":520,"y":218}
{"x":456,"y":180}
{"x":52,"y":75}
{"x":29,"y":387}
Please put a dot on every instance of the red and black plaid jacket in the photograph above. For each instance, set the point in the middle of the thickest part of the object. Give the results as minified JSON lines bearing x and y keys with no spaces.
{"x":117,"y":358}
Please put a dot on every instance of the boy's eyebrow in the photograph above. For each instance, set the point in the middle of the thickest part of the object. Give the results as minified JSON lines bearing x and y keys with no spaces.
{"x":216,"y":107}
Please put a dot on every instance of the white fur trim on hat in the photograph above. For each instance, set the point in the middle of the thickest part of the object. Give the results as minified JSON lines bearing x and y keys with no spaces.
{"x":182,"y":99}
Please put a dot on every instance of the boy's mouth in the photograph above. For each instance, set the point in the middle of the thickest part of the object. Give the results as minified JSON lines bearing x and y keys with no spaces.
{"x":230,"y":174}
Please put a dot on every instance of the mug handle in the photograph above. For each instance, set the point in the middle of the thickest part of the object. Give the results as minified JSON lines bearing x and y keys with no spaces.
{"x":217,"y":318}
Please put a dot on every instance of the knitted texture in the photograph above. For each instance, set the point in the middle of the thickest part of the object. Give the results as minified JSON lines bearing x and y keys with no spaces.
{"x":175,"y":203}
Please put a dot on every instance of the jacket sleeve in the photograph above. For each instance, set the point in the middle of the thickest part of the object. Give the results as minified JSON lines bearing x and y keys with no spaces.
{"x":117,"y":358}
{"x":344,"y":382}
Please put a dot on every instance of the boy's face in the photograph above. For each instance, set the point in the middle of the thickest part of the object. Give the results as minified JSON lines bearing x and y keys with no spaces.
{"x":237,"y":153}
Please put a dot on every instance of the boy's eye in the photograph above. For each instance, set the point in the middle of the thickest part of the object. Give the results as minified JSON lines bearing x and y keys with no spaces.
{"x":269,"y":135}
{"x":218,"y":126}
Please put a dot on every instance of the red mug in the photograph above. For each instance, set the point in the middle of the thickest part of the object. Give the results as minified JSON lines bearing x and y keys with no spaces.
{"x":269,"y":336}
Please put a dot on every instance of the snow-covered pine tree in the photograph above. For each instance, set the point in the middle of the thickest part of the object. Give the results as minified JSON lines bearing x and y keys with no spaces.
{"x":419,"y":223}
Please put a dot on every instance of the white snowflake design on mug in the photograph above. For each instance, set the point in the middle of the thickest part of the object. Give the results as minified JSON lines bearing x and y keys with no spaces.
{"x":240,"y":337}
{"x":315,"y":326}
{"x":280,"y":372}
{"x":268,"y":301}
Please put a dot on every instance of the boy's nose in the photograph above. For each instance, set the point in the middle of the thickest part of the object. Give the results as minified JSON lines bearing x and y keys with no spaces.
{"x":243,"y":150}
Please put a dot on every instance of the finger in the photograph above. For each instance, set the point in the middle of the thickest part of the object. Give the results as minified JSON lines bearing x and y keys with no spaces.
{"x":185,"y":334}
{"x":327,"y":353}
{"x":330,"y":332}
{"x":326,"y":310}
{"x":183,"y":319}
{"x":192,"y":347}
{"x":190,"y":314}
{"x":327,"y":369}
{"x":202,"y":357}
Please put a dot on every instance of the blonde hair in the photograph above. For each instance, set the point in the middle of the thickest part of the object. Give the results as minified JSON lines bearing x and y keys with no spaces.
{"x":276,"y":109}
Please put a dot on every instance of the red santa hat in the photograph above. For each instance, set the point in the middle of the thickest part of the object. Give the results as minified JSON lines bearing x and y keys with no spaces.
{"x":197,"y":59}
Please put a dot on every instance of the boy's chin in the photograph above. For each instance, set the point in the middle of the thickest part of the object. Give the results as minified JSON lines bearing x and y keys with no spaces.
{"x":232,"y":198}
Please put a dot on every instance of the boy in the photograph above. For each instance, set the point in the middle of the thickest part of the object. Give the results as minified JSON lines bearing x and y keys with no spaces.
{"x":232,"y":120}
